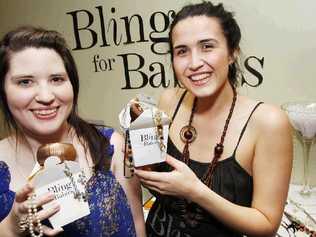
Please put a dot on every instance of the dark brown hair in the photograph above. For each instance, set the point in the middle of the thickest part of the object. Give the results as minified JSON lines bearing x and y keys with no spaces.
{"x":228,"y":24}
{"x":29,"y":36}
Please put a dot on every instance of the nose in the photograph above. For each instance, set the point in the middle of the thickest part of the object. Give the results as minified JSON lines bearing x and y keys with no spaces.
{"x":196,"y":61}
{"x":45,"y":94}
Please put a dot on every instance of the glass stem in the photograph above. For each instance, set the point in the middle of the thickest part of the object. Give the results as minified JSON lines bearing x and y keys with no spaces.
{"x":306,"y":144}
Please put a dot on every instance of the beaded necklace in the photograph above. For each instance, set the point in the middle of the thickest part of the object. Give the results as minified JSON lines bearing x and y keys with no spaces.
{"x":188,"y":134}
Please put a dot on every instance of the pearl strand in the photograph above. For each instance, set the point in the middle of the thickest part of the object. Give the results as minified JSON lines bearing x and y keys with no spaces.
{"x":33,"y":217}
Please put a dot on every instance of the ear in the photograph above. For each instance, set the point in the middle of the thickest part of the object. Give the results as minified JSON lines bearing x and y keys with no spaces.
{"x":233,"y":57}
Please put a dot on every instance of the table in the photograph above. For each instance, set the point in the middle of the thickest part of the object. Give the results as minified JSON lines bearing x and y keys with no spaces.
{"x":299,"y":217}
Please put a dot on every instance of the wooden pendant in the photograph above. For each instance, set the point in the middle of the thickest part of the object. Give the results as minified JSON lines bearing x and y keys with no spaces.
{"x":188,"y":134}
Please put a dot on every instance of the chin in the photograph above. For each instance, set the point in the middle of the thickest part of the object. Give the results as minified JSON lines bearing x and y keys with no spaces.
{"x":202,"y":92}
{"x":47,"y":130}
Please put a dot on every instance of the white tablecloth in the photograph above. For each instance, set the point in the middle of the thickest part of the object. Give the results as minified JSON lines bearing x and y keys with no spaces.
{"x":300,"y":212}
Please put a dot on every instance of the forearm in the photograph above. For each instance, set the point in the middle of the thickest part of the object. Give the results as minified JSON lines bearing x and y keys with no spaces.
{"x":249,"y":221}
{"x":134,"y":196}
{"x":9,"y":226}
{"x":130,"y":186}
{"x":139,"y":221}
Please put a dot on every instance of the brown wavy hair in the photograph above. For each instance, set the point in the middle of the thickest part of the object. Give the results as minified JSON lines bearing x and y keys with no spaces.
{"x":29,"y":36}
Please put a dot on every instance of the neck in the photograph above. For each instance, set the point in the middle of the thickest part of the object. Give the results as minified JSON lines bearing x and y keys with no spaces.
{"x":215,"y":103}
{"x":34,"y":141}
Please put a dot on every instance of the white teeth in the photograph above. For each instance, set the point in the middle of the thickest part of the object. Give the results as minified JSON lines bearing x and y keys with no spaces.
{"x":44,"y":111}
{"x":199,"y":76}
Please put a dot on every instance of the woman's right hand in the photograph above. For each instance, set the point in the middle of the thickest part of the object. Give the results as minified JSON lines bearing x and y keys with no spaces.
{"x":21,"y":204}
{"x":180,"y":182}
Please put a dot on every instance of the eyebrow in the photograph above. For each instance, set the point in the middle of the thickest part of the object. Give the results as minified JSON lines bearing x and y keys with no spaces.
{"x":58,"y":74}
{"x":208,"y":40}
{"x":16,"y":77}
{"x":179,"y":46}
{"x":200,"y":42}
{"x":26,"y":76}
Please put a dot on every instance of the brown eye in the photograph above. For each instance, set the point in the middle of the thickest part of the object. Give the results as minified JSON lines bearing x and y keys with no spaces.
{"x":180,"y":52}
{"x":57,"y":79}
{"x":208,"y":46}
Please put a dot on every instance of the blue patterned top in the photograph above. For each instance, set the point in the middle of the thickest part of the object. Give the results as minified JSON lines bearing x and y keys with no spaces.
{"x":6,"y":195}
{"x":110,"y":214}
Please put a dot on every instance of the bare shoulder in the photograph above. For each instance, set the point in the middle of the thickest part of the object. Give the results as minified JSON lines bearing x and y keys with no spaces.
{"x":270,"y":118}
{"x":169,"y":98}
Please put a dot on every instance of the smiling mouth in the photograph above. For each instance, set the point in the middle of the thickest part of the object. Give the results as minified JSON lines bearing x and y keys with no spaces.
{"x":200,"y":79}
{"x":45,"y":113}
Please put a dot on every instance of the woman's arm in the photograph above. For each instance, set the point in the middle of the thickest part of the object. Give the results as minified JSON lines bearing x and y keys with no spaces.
{"x":271,"y":168}
{"x":131,"y":186}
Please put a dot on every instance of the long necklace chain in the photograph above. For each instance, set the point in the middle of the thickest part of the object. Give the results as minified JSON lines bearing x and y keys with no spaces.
{"x":188,"y":134}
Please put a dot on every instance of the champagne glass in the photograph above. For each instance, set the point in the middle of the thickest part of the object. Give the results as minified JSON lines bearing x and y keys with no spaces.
{"x":303,"y":119}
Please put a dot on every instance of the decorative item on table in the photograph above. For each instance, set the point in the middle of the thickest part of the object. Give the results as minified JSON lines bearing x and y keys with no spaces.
{"x":296,"y":221}
{"x":146,"y":131}
{"x":303,"y":119}
{"x":58,"y":173}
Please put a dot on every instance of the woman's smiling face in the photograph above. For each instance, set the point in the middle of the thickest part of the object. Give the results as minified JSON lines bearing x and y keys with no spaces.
{"x":200,"y":55}
{"x":38,"y":91}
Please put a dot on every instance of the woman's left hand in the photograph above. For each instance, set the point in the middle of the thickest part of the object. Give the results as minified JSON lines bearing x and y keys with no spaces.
{"x":179,"y":182}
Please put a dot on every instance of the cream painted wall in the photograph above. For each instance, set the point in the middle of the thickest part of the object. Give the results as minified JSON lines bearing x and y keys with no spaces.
{"x":283,"y":32}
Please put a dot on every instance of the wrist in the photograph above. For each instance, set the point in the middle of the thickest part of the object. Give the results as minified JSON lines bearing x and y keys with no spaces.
{"x":13,"y":222}
{"x":196,"y":190}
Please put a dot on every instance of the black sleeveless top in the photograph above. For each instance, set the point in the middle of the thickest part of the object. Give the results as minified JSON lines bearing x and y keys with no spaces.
{"x":175,"y":217}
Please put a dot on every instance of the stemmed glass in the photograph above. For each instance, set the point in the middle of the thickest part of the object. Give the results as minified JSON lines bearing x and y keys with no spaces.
{"x":303,"y":119}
